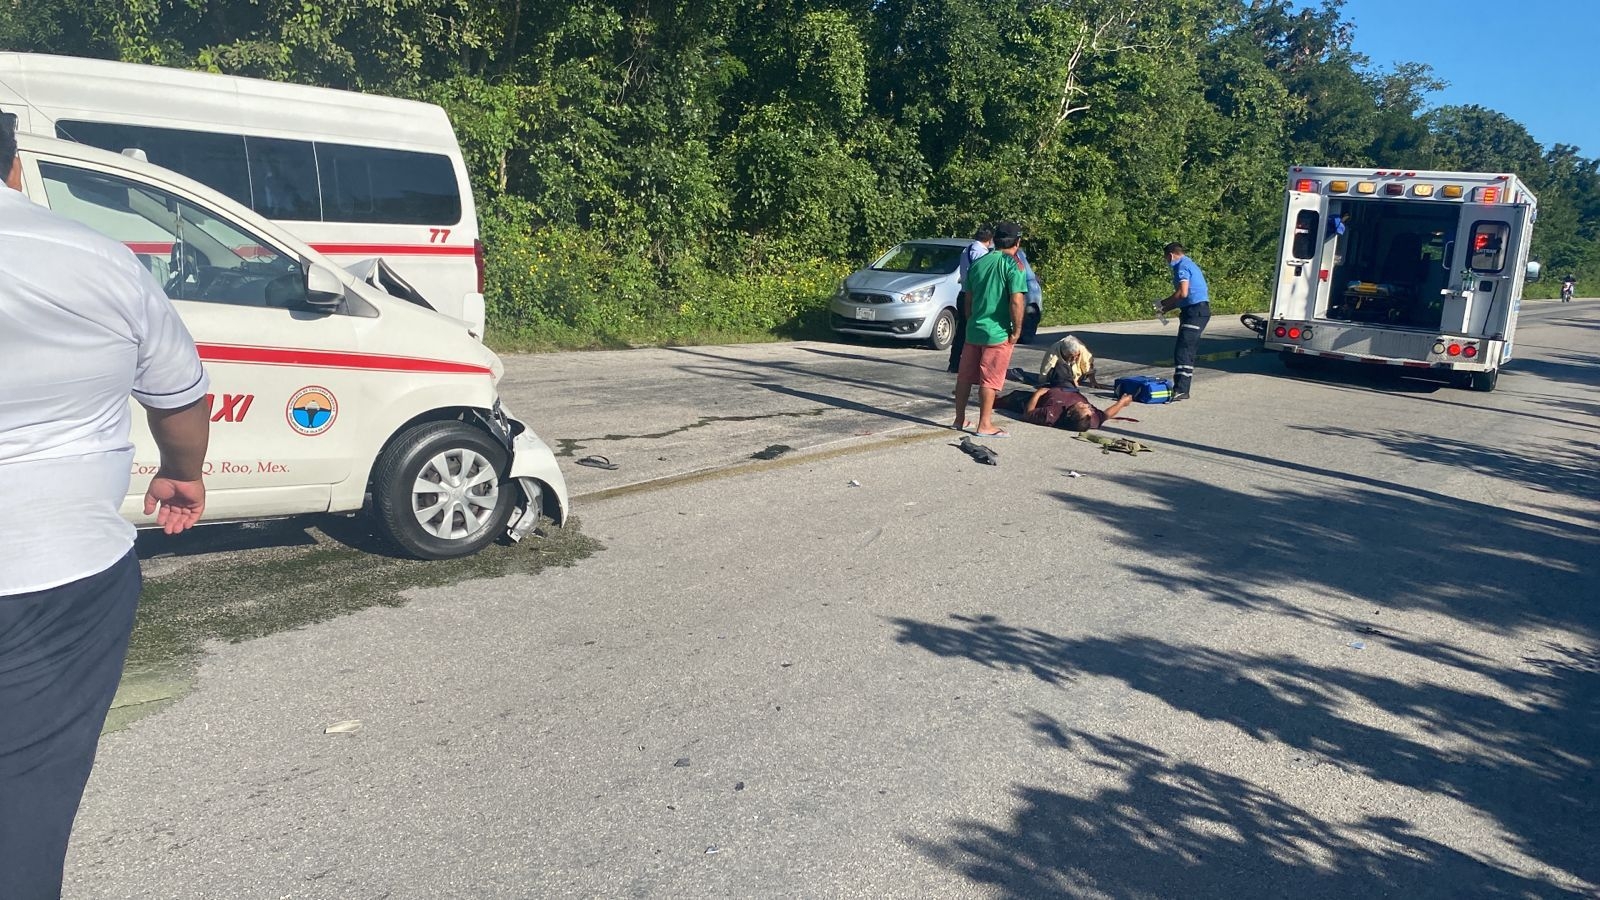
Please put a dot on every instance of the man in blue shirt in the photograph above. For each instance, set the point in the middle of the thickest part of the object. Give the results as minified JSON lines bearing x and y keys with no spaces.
{"x":982,"y":243}
{"x":1192,"y":299}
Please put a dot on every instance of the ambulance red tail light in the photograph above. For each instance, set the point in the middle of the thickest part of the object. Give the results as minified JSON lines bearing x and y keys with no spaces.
{"x":1470,"y":351}
{"x":1486,"y":195}
{"x":1455,"y":350}
{"x":1394,"y":190}
{"x":1307,"y":186}
{"x":1280,"y":331}
{"x":478,"y":259}
{"x":1294,"y":334}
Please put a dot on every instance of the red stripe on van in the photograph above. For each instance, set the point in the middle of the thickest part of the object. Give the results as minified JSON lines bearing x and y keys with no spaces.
{"x":149,"y":247}
{"x":333,"y":359}
{"x":394,"y":249}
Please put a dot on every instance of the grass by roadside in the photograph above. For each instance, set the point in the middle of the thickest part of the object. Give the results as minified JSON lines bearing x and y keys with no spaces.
{"x":237,"y":597}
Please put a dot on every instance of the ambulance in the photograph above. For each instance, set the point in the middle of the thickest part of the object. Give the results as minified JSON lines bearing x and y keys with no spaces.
{"x":329,"y":393}
{"x":1418,"y":269}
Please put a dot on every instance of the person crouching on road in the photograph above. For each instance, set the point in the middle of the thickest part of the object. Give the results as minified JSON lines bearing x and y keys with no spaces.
{"x":1068,"y":363}
{"x":1192,"y":299}
{"x":1060,"y":407}
{"x":995,"y":292}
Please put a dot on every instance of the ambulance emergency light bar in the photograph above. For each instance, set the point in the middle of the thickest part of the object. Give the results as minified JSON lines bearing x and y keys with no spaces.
{"x":1482,"y":194}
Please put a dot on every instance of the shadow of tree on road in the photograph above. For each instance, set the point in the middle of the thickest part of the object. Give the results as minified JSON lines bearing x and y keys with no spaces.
{"x":1556,"y":466}
{"x":1517,"y":741}
{"x":1388,"y":545}
{"x":1173,"y":827}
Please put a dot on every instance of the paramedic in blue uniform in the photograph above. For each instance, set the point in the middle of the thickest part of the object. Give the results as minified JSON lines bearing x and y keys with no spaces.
{"x":82,"y":327}
{"x":1192,"y":299}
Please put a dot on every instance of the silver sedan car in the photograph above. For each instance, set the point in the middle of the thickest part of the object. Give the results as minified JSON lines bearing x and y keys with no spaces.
{"x":910,"y":294}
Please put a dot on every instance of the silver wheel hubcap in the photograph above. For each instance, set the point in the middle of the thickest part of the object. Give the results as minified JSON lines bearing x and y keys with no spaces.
{"x":945,"y":328}
{"x":455,"y":494}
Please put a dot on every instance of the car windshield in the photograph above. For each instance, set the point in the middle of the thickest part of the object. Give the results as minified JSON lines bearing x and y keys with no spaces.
{"x":928,"y":259}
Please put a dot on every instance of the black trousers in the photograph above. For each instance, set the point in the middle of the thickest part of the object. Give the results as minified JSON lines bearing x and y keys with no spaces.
{"x":61,"y":655}
{"x":959,"y":342}
{"x":1192,"y":322}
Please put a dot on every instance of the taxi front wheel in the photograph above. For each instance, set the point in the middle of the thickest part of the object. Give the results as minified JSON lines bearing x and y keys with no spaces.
{"x":439,"y":490}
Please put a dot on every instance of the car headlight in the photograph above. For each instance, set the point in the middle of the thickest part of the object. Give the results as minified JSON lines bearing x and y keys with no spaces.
{"x":920,"y":295}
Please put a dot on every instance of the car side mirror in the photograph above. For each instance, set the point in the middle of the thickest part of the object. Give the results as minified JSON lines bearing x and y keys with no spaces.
{"x":1534,"y":269}
{"x":324,"y":288}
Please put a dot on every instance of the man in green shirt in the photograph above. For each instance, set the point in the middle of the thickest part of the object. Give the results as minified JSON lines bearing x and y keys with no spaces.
{"x":995,"y":288}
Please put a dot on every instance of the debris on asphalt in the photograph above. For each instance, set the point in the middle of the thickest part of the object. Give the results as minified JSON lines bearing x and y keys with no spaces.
{"x":682,"y":763}
{"x":772,"y":452}
{"x":598,"y":462}
{"x":738,"y":786}
{"x":1074,"y":474}
{"x":985,"y":455}
{"x":348,"y":726}
{"x":1117,"y":445}
{"x":711,"y":850}
{"x":1358,"y":645}
{"x":854,"y":483}
{"x":1368,"y":629}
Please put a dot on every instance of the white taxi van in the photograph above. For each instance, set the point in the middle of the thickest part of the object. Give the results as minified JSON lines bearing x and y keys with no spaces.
{"x":356,"y":176}
{"x":326,"y":390}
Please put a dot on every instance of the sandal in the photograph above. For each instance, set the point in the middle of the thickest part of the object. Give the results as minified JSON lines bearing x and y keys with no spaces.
{"x":998,"y":433}
{"x":599,"y":462}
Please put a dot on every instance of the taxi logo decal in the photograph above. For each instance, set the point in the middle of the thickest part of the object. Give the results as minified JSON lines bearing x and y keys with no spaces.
{"x":312,"y":410}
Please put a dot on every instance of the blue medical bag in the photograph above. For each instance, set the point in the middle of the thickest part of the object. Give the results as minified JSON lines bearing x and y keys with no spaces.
{"x":1144,"y":388}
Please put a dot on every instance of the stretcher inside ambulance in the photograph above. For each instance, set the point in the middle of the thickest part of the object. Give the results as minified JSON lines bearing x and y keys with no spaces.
{"x":330,"y":395}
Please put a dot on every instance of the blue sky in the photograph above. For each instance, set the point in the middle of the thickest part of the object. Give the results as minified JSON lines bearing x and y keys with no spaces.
{"x":1534,"y":60}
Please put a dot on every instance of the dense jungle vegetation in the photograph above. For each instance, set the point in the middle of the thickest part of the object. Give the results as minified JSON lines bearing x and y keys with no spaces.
{"x":681,"y":170}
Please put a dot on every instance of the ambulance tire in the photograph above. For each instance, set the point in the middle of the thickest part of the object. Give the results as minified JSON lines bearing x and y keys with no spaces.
{"x":416,"y":453}
{"x":1297,"y":362}
{"x":1484,"y":382}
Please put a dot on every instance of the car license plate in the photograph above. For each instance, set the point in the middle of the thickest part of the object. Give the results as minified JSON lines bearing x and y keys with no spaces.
{"x":865,"y":314}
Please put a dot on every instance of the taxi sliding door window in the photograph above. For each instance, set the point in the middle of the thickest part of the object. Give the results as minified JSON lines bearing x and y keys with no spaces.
{"x":194,"y":254}
{"x":1489,"y":241}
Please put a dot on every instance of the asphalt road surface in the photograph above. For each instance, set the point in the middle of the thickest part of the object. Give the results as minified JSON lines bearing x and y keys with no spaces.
{"x":1335,"y":637}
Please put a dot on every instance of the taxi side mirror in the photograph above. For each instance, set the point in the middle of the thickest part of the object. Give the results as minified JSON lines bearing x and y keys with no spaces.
{"x":324,"y":289}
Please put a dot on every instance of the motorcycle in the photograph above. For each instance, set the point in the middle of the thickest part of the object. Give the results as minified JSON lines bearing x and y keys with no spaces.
{"x":1566,"y":292}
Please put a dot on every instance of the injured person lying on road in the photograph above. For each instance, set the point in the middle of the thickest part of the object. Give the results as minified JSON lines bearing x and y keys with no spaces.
{"x":1059,"y":407}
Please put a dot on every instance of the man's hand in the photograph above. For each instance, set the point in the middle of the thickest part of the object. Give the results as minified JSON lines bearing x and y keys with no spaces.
{"x":181,"y":502}
{"x":177,"y":490}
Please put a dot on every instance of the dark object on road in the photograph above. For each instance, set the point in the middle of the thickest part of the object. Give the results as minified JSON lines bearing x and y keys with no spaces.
{"x":1119,"y":445}
{"x":682,"y":763}
{"x":772,"y":452}
{"x":738,"y":786}
{"x":979,"y":452}
{"x":599,"y":462}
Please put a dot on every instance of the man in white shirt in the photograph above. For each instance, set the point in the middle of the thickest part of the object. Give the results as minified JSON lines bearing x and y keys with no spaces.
{"x":82,"y":326}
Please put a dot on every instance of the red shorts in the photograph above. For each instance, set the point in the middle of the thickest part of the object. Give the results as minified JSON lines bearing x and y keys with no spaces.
{"x":985,"y":364}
